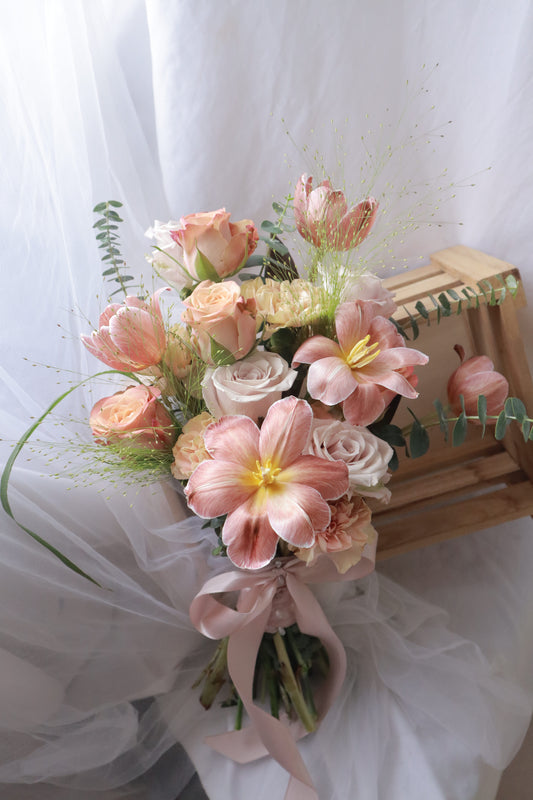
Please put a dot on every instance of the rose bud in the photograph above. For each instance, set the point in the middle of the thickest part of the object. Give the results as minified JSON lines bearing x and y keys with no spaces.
{"x":477,"y":376}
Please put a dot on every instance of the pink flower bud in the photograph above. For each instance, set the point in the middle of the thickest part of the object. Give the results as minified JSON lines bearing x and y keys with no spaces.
{"x":477,"y":376}
{"x":322,"y":216}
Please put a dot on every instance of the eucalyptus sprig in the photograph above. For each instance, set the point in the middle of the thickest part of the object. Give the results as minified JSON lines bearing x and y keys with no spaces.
{"x":108,"y":238}
{"x":450,"y":302}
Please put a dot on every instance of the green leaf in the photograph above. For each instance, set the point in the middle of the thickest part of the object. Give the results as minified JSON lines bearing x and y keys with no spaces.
{"x":453,"y":294}
{"x":503,"y":294}
{"x":6,"y":474}
{"x":394,"y":462}
{"x":414,"y":324}
{"x":482,"y":411}
{"x":419,"y":439}
{"x":514,"y":407}
{"x":110,"y":271}
{"x":100,"y":208}
{"x":115,"y":216}
{"x":443,"y":422}
{"x":445,"y":305}
{"x":512,"y":284}
{"x":501,"y":425}
{"x":420,"y":307}
{"x":204,"y":269}
{"x":459,"y":430}
{"x":221,"y":355}
{"x":391,"y":434}
{"x":526,"y":429}
{"x":278,"y":208}
{"x":271,"y":227}
{"x":115,"y":203}
{"x":278,"y":246}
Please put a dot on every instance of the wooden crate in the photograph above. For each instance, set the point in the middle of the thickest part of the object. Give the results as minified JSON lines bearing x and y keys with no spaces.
{"x":453,"y":491}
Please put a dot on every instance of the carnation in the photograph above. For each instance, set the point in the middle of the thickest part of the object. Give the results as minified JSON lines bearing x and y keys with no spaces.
{"x":344,"y":540}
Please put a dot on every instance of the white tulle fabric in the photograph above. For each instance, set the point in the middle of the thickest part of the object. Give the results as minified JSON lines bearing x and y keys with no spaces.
{"x":175,"y":108}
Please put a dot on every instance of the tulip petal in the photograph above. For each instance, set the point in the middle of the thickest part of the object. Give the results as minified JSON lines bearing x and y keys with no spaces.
{"x":398,"y":357}
{"x":357,"y":224}
{"x":352,"y":322}
{"x":296,"y":513}
{"x":285,"y":431}
{"x":138,"y":334}
{"x":101,"y":346}
{"x":314,"y":348}
{"x":330,"y":478}
{"x":365,"y":405}
{"x":396,"y":382}
{"x":249,"y":536}
{"x":330,"y":380}
{"x":234,"y":439}
{"x":218,"y":487}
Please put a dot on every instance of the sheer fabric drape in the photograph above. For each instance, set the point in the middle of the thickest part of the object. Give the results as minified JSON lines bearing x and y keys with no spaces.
{"x":175,"y":107}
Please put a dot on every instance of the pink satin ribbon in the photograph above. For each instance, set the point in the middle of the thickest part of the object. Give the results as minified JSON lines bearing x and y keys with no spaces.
{"x":245,"y":627}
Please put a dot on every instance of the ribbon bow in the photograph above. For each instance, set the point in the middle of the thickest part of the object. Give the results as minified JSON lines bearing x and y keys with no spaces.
{"x":245,"y":627}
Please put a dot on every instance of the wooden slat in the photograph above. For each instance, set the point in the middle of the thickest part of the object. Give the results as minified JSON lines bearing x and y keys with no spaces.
{"x":395,"y":282}
{"x":449,"y":480}
{"x":468,"y":264}
{"x":442,"y":455}
{"x":434,"y":285}
{"x":437,"y":525}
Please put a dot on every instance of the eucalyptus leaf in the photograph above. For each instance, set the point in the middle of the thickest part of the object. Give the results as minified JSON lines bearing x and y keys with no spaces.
{"x":514,"y":407}
{"x":482,"y":411}
{"x":526,"y":429}
{"x":459,"y":430}
{"x":501,"y":426}
{"x":443,"y":422}
{"x":418,"y":440}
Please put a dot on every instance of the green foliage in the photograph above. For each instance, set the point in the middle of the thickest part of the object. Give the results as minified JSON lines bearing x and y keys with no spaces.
{"x":418,"y":438}
{"x":108,"y":239}
{"x":449,"y":301}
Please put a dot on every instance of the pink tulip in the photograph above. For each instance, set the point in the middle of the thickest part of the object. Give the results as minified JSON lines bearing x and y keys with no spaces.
{"x":477,"y":376}
{"x":261,"y":480}
{"x":368,"y":359}
{"x":322,"y":216}
{"x":130,"y":336}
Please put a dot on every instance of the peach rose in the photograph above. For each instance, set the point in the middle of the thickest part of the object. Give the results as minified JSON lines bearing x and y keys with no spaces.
{"x":202,"y":246}
{"x":219,"y":310}
{"x":189,"y":450}
{"x":134,"y":416}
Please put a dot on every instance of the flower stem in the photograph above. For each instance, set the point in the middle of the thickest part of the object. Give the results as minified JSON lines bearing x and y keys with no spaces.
{"x":290,"y":683}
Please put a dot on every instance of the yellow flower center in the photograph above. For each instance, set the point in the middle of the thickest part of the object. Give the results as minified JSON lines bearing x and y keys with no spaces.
{"x":361,"y":354}
{"x":265,"y":474}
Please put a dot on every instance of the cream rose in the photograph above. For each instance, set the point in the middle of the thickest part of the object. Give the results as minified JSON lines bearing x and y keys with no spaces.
{"x":219,"y":310}
{"x":189,"y":450}
{"x":247,"y":387}
{"x":167,"y":257}
{"x":366,"y":456}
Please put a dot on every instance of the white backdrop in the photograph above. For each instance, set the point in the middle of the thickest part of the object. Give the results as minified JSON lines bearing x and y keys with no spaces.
{"x":176,"y":106}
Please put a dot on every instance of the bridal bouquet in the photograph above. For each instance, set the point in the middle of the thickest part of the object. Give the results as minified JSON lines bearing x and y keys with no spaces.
{"x":270,"y":400}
